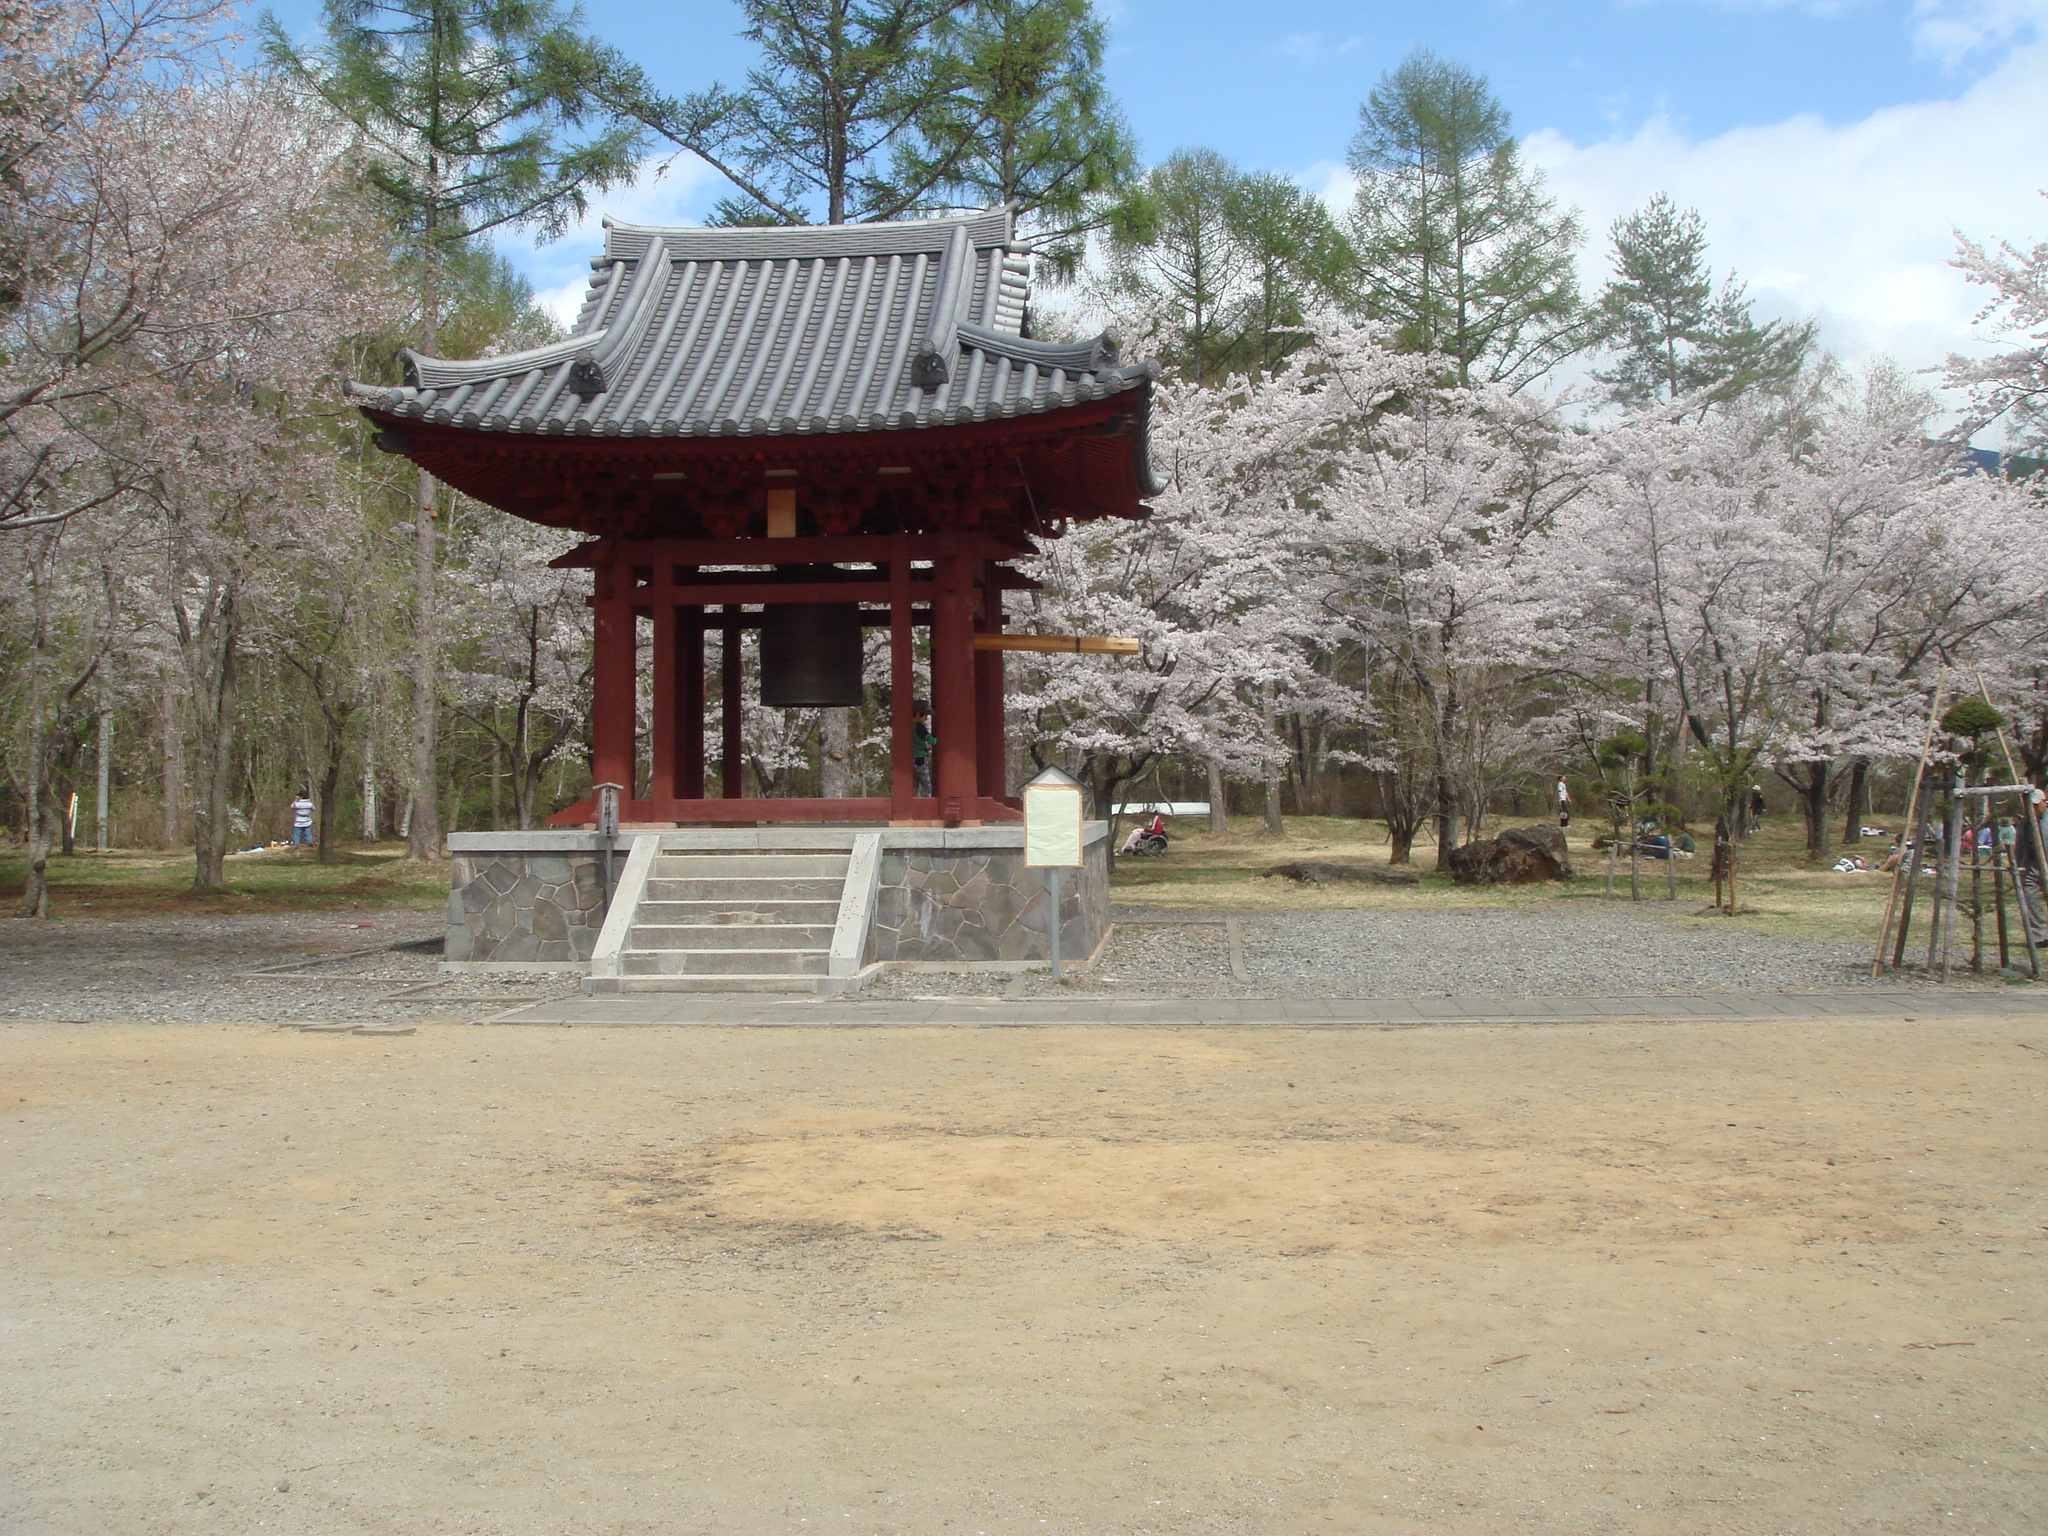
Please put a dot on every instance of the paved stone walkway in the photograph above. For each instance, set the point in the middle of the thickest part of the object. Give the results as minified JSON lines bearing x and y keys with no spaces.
{"x":1368,"y":1012}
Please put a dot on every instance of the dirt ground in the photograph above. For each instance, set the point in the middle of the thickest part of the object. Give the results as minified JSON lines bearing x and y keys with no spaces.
{"x":1699,"y":1278}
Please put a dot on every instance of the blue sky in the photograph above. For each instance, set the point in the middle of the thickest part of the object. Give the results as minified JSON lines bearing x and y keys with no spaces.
{"x":1831,"y":144}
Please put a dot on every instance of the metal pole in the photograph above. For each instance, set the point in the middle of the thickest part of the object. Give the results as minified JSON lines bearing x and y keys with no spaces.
{"x":1052,"y":884}
{"x":1977,"y":894}
{"x":1998,"y":863}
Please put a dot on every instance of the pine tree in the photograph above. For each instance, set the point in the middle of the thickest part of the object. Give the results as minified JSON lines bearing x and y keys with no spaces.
{"x":1670,"y":333}
{"x":1025,"y":120}
{"x":1459,"y":248}
{"x":470,"y":116}
{"x":1173,"y":248}
{"x":842,"y":84}
{"x":1293,"y":260}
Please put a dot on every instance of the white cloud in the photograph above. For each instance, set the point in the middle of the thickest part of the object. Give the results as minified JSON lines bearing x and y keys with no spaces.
{"x":1309,"y":47}
{"x":668,"y":190}
{"x":1850,"y":223}
{"x":1953,"y":30}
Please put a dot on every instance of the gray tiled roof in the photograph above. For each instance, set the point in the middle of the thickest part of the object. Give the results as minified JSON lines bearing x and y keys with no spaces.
{"x":730,"y":332}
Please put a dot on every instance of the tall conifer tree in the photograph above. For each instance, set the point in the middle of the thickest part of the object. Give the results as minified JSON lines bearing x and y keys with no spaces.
{"x":471,"y":116}
{"x":1459,"y":248}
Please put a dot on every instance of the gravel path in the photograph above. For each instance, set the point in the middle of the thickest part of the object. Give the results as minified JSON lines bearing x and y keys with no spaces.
{"x":1574,"y":949}
{"x":171,"y":969}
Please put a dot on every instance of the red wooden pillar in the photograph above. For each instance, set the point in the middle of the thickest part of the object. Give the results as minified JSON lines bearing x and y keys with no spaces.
{"x":902,"y":685}
{"x":953,"y":679}
{"x":612,"y":680}
{"x":990,"y":767}
{"x":689,"y":734}
{"x":661,"y":740}
{"x":731,"y":759}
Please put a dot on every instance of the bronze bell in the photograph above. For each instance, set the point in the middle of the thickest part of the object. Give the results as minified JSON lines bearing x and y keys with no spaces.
{"x":810,"y":655}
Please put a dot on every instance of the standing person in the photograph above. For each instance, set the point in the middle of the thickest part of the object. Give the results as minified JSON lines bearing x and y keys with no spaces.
{"x":2027,"y":851}
{"x":922,"y":742}
{"x":302,"y":820}
{"x":1756,"y":807}
{"x":1564,"y":802}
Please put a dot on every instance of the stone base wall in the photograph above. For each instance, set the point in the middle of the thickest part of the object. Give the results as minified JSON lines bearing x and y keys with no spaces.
{"x":974,"y":905}
{"x":945,"y":897}
{"x":533,"y":904}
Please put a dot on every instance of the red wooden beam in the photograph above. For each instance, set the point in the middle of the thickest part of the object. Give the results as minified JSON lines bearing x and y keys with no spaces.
{"x":818,"y":549}
{"x":663,"y":728}
{"x":952,"y":663}
{"x":988,"y":696}
{"x":758,"y":812}
{"x":690,"y":706}
{"x":902,"y":685}
{"x":612,"y":691}
{"x":731,"y":767}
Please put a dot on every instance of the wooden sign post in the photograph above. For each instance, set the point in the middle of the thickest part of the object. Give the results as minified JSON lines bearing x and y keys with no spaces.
{"x":1053,"y":812}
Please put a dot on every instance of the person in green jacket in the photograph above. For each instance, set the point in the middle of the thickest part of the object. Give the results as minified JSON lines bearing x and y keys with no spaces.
{"x":923,"y":741}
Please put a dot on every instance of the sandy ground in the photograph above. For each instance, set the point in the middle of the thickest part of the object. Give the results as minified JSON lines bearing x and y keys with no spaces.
{"x":1713,"y":1278}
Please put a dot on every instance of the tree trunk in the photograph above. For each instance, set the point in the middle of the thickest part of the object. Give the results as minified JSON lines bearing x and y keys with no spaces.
{"x":835,"y":754}
{"x":1813,"y":785}
{"x":102,"y":831}
{"x":497,"y":774}
{"x":370,"y":827}
{"x":330,"y":787}
{"x":172,"y":829}
{"x":217,"y":663}
{"x":1274,"y":825}
{"x":424,"y":833}
{"x":67,"y":819}
{"x":1219,"y":801}
{"x":1859,"y":803}
{"x":1445,"y":817}
{"x":35,"y":896}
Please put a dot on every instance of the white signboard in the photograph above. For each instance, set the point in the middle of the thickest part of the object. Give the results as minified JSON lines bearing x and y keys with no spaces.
{"x":1052,"y":821}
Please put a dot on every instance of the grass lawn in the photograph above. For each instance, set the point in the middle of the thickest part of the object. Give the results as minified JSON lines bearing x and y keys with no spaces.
{"x":131,"y":880}
{"x":1780,"y":893}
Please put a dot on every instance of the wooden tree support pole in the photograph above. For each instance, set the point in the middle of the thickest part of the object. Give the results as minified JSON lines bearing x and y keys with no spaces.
{"x":1084,"y":645}
{"x":1901,"y":875}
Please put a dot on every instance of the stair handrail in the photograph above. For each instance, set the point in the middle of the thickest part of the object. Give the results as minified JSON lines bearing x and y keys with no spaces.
{"x":856,"y":906}
{"x":624,"y":905}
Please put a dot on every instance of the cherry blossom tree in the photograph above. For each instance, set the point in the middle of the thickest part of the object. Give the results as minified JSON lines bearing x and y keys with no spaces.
{"x":2009,"y":386}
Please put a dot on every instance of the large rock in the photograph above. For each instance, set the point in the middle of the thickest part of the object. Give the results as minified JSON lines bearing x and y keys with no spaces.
{"x":1318,"y":872}
{"x":1519,"y":856}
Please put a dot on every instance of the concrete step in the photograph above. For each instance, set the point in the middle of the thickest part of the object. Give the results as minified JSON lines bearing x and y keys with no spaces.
{"x":724,"y":962}
{"x":661,"y":914}
{"x":745,"y":891}
{"x":729,"y":935}
{"x":780,"y":866}
{"x":793,"y":985}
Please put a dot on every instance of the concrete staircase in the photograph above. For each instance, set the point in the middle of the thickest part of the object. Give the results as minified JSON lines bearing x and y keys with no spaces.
{"x":730,"y":922}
